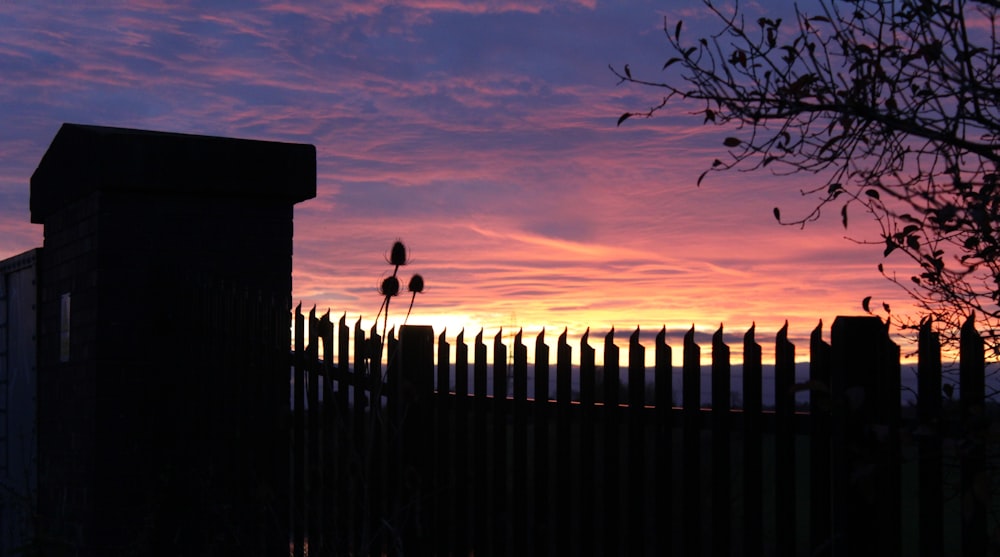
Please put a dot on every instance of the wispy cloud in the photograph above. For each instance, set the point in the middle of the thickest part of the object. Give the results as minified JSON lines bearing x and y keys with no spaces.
{"x":481,"y":133}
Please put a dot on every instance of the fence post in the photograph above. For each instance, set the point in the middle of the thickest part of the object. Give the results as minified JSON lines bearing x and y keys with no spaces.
{"x":865,"y":471}
{"x":415,"y":394}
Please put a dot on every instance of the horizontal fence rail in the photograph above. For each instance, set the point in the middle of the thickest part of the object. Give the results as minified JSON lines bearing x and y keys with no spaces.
{"x":396,"y":449}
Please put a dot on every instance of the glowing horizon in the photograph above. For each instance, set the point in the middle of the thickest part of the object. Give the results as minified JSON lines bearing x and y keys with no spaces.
{"x":481,"y":134}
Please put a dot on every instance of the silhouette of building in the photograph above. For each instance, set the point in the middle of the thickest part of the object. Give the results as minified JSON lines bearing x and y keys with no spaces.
{"x":163,"y":279}
{"x":18,"y":305}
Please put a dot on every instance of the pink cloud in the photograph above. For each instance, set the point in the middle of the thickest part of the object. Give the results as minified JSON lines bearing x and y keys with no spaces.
{"x":523,"y":203}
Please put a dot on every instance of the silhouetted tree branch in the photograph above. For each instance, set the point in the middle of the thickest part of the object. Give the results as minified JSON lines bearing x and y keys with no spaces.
{"x":892,"y":106}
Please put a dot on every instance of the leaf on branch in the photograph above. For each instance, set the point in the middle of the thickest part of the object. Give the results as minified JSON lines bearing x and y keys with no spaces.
{"x":709,"y":115}
{"x":793,"y":53}
{"x":865,"y":304}
{"x":739,"y":57}
{"x":800,"y":85}
{"x":671,"y":61}
{"x":913,"y":242}
{"x":872,"y":193}
{"x":777,"y":214}
{"x":732,"y":142}
{"x":843,"y":215}
{"x":821,"y":18}
{"x":890,"y":246}
{"x":700,"y":178}
{"x":885,"y":306}
{"x":623,"y":117}
{"x":677,"y":30}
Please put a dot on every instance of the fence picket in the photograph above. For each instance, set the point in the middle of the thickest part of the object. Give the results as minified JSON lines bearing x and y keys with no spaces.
{"x":519,"y":471}
{"x":609,"y":429}
{"x":819,"y":445}
{"x":753,"y":446}
{"x":784,"y":444}
{"x":299,"y":439}
{"x":721,"y":491}
{"x":587,"y":487}
{"x":313,"y":489}
{"x":691,"y":468}
{"x":663,"y":468}
{"x":501,"y":491}
{"x":564,"y":508}
{"x":440,"y":508}
{"x":329,"y":468}
{"x":481,"y":489}
{"x":541,"y":513}
{"x":461,"y":524}
{"x":636,"y":509}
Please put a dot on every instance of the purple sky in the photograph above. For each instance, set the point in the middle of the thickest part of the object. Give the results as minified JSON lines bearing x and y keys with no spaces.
{"x":480,"y":133}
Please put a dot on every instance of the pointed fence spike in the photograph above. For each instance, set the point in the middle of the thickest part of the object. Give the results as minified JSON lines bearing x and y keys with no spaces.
{"x":970,"y":323}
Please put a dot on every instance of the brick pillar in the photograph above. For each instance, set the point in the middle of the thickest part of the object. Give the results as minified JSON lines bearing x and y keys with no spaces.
{"x":137,"y":396}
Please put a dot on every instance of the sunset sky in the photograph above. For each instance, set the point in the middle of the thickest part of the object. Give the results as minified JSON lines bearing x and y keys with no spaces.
{"x":482,"y":134}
